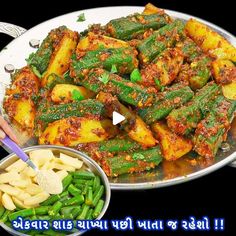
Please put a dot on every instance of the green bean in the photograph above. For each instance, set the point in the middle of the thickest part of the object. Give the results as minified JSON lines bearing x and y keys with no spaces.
{"x":51,"y":232}
{"x":66,"y":211}
{"x":73,"y":190}
{"x":98,"y":195}
{"x":89,"y":197}
{"x":2,"y":210}
{"x":83,"y":174}
{"x":23,"y":213}
{"x":79,"y":199}
{"x":79,"y":186}
{"x":84,"y":212}
{"x":53,"y":198}
{"x":34,"y":217}
{"x":85,"y":189}
{"x":76,"y":211}
{"x":96,"y":183}
{"x":83,"y":181}
{"x":5,"y":216}
{"x":67,"y":181}
{"x":29,"y":212}
{"x":43,"y":210}
{"x":43,"y":217}
{"x":55,"y":208}
{"x":90,"y":214}
{"x":98,"y":208}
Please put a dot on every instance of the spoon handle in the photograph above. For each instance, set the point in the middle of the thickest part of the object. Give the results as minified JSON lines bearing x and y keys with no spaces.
{"x":15,"y":148}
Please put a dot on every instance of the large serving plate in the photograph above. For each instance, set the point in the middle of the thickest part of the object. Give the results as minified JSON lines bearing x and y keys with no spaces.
{"x":168,"y":173}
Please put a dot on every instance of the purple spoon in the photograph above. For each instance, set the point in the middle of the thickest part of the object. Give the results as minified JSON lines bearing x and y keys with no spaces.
{"x":47,"y":179}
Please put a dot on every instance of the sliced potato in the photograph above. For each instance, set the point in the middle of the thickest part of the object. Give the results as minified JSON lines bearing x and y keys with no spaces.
{"x":6,"y":188}
{"x":0,"y":197}
{"x":8,"y":177}
{"x":17,"y":166}
{"x":59,"y":166}
{"x":41,"y":156}
{"x":23,"y":195}
{"x":33,"y":189}
{"x":210,"y":41}
{"x":21,"y":183}
{"x":70,"y":161}
{"x":41,"y":197}
{"x":7,"y":202}
{"x":28,"y":171}
{"x":62,"y":174}
{"x":173,"y":146}
{"x":47,"y":165}
{"x":74,"y":130}
{"x":63,"y":93}
{"x":20,"y":203}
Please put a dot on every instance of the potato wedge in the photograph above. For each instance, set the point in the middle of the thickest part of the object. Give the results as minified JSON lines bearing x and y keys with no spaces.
{"x":41,"y":197}
{"x":94,"y":41}
{"x":48,"y":165}
{"x":21,"y":183}
{"x":224,"y":71}
{"x":210,"y":41}
{"x":7,"y":202}
{"x":59,"y":62}
{"x":74,"y":130}
{"x":151,"y":9}
{"x":229,"y":90}
{"x":33,"y":189}
{"x":8,"y":177}
{"x":64,"y":93}
{"x":71,"y":161}
{"x":20,"y":110}
{"x":62,"y":174}
{"x":28,"y":171}
{"x":173,"y":146}
{"x":41,"y":156}
{"x":25,"y":82}
{"x":59,"y":166}
{"x":19,"y":203}
{"x":23,"y":195}
{"x":6,"y":188}
{"x":17,"y":166}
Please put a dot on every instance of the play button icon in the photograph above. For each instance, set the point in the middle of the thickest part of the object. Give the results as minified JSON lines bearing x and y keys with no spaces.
{"x":117,"y":118}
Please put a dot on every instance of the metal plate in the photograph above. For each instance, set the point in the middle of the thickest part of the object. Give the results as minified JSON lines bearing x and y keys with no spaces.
{"x":168,"y":173}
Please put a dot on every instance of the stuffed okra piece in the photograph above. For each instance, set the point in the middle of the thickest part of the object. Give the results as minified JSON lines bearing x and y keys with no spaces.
{"x":185,"y":119}
{"x":54,"y":54}
{"x":123,"y":58}
{"x":133,"y":124}
{"x":132,"y":162}
{"x":129,"y":27}
{"x":170,"y":99}
{"x":165,"y":37}
{"x":212,"y":130}
{"x":85,"y":108}
{"x":100,"y":80}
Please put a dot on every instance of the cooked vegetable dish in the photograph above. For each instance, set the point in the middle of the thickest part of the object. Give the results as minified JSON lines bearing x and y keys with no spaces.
{"x":173,"y":81}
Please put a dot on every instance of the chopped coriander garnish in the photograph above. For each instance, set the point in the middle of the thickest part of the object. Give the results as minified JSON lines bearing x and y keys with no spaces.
{"x":138,"y":156}
{"x":158,"y":83}
{"x":104,"y":78}
{"x":113,"y":69}
{"x":81,"y":17}
{"x":36,"y":72}
{"x":76,"y":95}
{"x":135,"y":76}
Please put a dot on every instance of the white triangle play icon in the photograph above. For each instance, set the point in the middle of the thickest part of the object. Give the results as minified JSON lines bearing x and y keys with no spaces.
{"x":117,"y":118}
